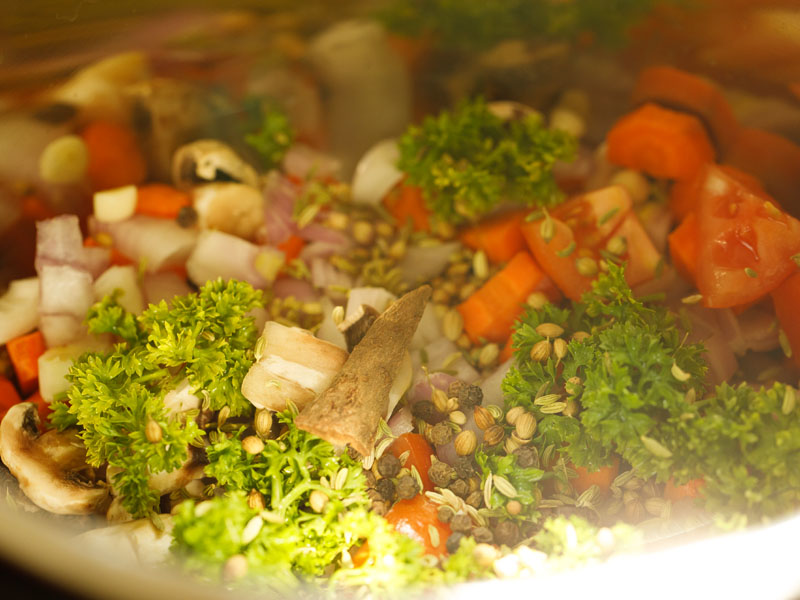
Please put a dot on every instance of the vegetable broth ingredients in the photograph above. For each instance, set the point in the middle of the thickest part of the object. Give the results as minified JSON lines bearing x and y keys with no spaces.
{"x":349,"y":411}
{"x":274,"y":137}
{"x":468,"y":161}
{"x":296,"y":537}
{"x":115,"y":397}
{"x":636,"y":389}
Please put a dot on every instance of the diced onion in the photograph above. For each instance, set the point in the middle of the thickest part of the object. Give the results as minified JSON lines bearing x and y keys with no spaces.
{"x":158,"y":243}
{"x":124,"y":281}
{"x":423,"y":263}
{"x":112,"y":206}
{"x":19,"y":308}
{"x":223,"y":255}
{"x":376,"y":173}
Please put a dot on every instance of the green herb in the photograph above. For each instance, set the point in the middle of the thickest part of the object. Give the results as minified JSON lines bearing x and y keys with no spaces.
{"x":293,"y":543}
{"x":620,"y":377}
{"x":469,"y":160}
{"x":275,"y":135}
{"x":474,"y":25}
{"x":206,"y":338}
{"x":524,"y":479}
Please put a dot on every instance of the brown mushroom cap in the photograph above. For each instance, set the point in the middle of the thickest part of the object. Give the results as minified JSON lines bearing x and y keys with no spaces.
{"x":50,"y":467}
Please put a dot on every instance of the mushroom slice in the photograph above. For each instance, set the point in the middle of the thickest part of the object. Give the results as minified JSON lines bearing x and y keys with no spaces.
{"x":233,"y":208}
{"x":292,"y":365}
{"x":207,"y":161}
{"x":350,"y":410}
{"x":50,"y":467}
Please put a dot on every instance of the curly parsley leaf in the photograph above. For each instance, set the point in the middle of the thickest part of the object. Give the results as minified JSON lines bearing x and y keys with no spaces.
{"x":206,"y":337}
{"x":618,"y":377}
{"x":274,"y":135}
{"x":468,"y":160}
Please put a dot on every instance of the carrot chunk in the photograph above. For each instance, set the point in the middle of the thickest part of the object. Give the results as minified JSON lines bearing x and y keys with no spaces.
{"x":115,"y":159}
{"x":661,"y":142}
{"x":24,"y":352}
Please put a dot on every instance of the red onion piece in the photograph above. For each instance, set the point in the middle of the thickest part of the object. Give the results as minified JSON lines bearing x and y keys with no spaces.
{"x":98,"y":259}
{"x":223,"y":255}
{"x":280,"y":195}
{"x":316,"y":232}
{"x":492,"y":392}
{"x":324,"y":275}
{"x":59,"y":242}
{"x":423,"y":263}
{"x":295,"y":288}
{"x":402,"y":421}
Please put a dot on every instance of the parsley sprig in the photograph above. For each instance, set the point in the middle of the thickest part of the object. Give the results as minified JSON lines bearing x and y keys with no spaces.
{"x":468,"y":160}
{"x":206,"y":337}
{"x":638,"y":390}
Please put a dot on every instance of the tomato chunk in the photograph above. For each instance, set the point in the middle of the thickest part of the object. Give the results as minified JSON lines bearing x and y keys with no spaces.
{"x":419,"y":455}
{"x":786,"y":298}
{"x":746,"y":243}
{"x":415,"y":518}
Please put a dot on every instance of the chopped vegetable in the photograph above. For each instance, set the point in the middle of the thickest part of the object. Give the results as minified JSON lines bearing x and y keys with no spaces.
{"x":773,"y":159}
{"x":746,"y":243}
{"x":161,"y":200}
{"x":467,"y":161}
{"x":415,"y":518}
{"x":681,"y":90}
{"x":274,"y":137}
{"x":115,"y":159}
{"x":24,"y":352}
{"x":500,"y":237}
{"x":786,"y":298}
{"x":419,"y":455}
{"x":9,"y":396}
{"x":406,"y":203}
{"x":206,"y":337}
{"x":490,"y":312}
{"x":660,"y":142}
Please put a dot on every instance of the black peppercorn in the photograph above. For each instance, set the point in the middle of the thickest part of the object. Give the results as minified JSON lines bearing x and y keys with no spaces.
{"x":506,"y":533}
{"x":460,"y":488}
{"x":461,"y":522}
{"x":483,"y":535}
{"x":464,"y":467}
{"x":475,"y":499}
{"x":440,"y":434}
{"x":388,"y":465}
{"x":526,"y":457}
{"x":187,"y":216}
{"x":441,"y":474}
{"x":468,"y":395}
{"x":453,"y":542}
{"x":426,"y":411}
{"x":407,"y":487}
{"x":386,"y":488}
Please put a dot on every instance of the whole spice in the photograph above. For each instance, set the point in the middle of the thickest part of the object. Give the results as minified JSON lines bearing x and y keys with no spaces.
{"x":407,"y":487}
{"x":152,"y":432}
{"x":465,"y":443}
{"x":464,"y":467}
{"x":506,"y":533}
{"x":445,"y":513}
{"x":252,"y":445}
{"x":541,"y":351}
{"x":425,"y":410}
{"x":440,"y":434}
{"x":474,"y":499}
{"x":483,"y":418}
{"x":454,"y":541}
{"x":317,"y":500}
{"x":263,"y":422}
{"x":460,"y":488}
{"x":468,"y":395}
{"x":494,"y":435}
{"x":461,"y":522}
{"x":441,"y":474}
{"x":388,"y":465}
{"x":255,"y":500}
{"x":513,"y":414}
{"x":386,"y":489}
{"x":525,"y":425}
{"x":483,"y":535}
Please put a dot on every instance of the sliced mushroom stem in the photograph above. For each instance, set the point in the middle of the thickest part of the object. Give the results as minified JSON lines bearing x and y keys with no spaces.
{"x":50,"y":467}
{"x":350,"y":410}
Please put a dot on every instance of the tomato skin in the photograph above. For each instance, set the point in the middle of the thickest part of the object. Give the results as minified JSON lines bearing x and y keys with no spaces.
{"x":690,"y":489}
{"x":602,"y":477}
{"x":414,"y":517}
{"x":419,"y":455}
{"x":786,"y":298}
{"x":746,"y":242}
